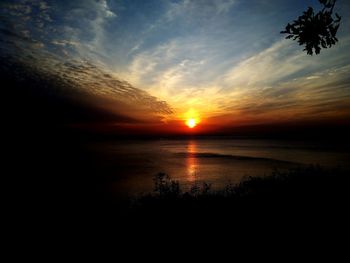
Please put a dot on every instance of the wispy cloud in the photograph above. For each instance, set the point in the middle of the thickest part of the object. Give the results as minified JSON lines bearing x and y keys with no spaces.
{"x":179,"y":71}
{"x":223,"y":57}
{"x":201,"y":9}
{"x":281,"y":81}
{"x":56,"y":24}
{"x":103,"y":85}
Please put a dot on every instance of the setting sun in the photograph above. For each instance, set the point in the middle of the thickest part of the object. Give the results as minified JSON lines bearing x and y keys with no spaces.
{"x":191,"y":123}
{"x":191,"y":118}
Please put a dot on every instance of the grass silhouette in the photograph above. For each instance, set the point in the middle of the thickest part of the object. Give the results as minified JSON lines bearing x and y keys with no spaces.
{"x":300,"y":191}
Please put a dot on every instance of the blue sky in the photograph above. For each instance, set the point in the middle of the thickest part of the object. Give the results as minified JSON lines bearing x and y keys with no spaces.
{"x":225,"y":59}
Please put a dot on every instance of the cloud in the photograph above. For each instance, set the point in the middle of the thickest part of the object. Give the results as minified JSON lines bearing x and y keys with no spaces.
{"x":200,"y":9}
{"x":219,"y":57}
{"x":178,"y":70}
{"x":280,"y":78}
{"x":64,"y":43}
{"x":58,"y":22}
{"x":37,"y":100}
{"x":113,"y":92}
{"x":282,"y":81}
{"x":64,"y":55}
{"x":283,"y":60}
{"x":97,"y":81}
{"x":86,"y":82}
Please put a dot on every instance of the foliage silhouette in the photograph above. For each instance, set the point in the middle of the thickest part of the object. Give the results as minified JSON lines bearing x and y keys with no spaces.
{"x":293,"y":191}
{"x":315,"y":31}
{"x":164,"y":186}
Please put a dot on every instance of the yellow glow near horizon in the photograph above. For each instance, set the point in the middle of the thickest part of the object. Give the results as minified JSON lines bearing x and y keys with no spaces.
{"x":191,"y":118}
{"x":191,"y":123}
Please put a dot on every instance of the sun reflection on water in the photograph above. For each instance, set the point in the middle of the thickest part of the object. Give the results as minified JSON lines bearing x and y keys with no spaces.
{"x":191,"y":161}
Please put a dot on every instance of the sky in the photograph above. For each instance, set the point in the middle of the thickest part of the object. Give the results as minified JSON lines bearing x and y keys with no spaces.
{"x":159,"y":62}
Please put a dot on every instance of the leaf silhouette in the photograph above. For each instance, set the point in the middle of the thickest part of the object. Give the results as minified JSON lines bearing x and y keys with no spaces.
{"x":315,"y":31}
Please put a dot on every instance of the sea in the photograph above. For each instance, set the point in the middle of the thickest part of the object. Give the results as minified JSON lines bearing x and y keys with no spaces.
{"x":131,"y":165}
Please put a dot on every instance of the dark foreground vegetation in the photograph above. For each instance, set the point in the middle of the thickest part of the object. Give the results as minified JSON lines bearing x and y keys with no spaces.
{"x":298,"y":193}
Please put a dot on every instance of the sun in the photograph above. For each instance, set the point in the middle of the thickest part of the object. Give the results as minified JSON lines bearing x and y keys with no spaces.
{"x":191,"y":118}
{"x":191,"y":123}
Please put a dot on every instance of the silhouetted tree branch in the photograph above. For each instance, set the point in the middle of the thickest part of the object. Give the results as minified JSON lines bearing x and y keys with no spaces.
{"x":315,"y":30}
